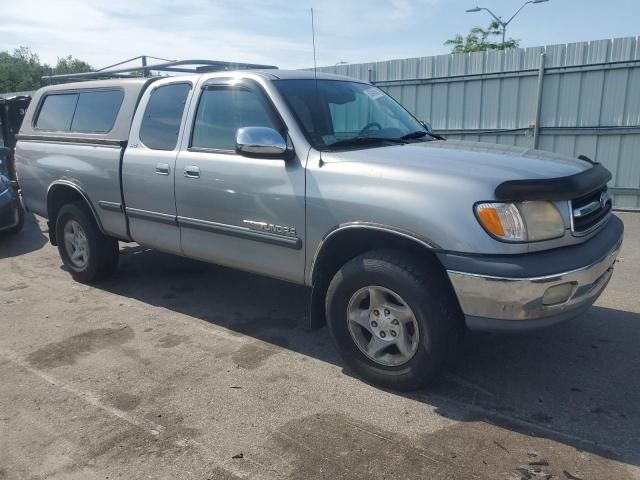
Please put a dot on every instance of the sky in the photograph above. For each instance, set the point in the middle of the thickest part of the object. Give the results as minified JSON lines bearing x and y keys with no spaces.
{"x":278,"y":32}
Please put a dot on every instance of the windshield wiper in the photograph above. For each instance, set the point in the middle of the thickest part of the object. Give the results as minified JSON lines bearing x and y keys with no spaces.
{"x":412,"y":135}
{"x":365,"y":140}
{"x":420,"y":134}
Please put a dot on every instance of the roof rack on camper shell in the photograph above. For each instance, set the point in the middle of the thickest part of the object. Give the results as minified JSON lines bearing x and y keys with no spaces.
{"x":144,"y":69}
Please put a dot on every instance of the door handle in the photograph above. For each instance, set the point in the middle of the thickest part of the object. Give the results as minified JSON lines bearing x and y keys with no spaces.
{"x":162,"y":169}
{"x":192,"y":171}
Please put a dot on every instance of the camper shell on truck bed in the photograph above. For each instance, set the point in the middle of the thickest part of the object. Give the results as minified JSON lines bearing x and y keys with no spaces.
{"x":42,"y":134}
{"x":131,"y":90}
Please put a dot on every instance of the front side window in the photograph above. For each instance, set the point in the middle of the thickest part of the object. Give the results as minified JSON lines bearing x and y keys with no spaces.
{"x":161,"y":122}
{"x":56,"y":112}
{"x":222,"y":110}
{"x":340,"y":113}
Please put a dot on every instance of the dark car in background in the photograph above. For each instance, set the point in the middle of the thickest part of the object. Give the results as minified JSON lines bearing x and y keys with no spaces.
{"x":12,"y":110}
{"x":11,"y":213}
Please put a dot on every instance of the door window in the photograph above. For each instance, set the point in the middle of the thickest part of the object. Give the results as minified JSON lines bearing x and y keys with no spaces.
{"x":223,"y":110}
{"x":162,"y":117}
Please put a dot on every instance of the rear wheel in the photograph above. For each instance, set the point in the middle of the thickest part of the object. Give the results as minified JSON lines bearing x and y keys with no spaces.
{"x":87,"y":253}
{"x":394,"y":322}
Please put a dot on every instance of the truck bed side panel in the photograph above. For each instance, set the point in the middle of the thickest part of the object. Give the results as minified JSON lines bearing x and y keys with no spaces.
{"x":94,"y":169}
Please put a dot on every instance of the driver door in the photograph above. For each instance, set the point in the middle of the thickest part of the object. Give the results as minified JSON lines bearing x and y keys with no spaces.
{"x":248,"y":213}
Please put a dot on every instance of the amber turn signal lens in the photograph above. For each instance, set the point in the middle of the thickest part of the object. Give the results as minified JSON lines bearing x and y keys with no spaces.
{"x":502,"y":220}
{"x":491,"y":221}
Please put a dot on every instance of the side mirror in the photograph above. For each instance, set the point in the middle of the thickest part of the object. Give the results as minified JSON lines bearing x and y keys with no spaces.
{"x":261,"y":142}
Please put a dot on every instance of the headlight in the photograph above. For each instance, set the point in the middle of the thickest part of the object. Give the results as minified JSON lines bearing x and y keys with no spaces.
{"x":521,"y":221}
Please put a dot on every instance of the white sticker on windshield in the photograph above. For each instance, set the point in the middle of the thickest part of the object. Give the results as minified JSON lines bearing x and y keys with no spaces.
{"x":373,"y":93}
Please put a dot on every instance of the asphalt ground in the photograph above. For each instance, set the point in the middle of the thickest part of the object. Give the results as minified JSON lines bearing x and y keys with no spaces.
{"x":179,"y":369}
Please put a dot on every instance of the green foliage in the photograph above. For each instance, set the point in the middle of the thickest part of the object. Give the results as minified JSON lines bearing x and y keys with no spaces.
{"x":479,"y":39}
{"x":70,"y":64}
{"x":22,"y":69}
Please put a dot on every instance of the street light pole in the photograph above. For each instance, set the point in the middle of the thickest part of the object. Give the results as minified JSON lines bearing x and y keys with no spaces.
{"x":499,"y":20}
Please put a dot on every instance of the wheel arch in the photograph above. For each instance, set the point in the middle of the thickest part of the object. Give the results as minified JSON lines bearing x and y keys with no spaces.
{"x":60,"y":193}
{"x":350,"y":240}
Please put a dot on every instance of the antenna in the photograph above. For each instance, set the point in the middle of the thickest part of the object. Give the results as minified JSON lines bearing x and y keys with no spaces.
{"x":313,"y":39}
{"x":315,"y":66}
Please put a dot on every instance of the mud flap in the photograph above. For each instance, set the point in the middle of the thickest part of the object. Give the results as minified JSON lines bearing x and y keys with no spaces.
{"x":317,"y":315}
{"x":52,"y":232}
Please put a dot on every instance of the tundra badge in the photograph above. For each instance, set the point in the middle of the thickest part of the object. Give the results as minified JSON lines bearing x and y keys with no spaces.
{"x":270,"y":228}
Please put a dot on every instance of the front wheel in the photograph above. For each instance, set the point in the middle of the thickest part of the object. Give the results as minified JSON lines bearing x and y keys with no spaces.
{"x":86,"y":252}
{"x":394,"y":322}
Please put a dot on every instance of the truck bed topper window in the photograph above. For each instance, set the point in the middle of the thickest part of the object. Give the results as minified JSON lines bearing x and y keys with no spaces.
{"x":90,"y":111}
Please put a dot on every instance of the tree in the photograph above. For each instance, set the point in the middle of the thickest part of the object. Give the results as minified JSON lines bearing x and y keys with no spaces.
{"x":69,"y":64}
{"x":479,"y":39}
{"x":22,"y":70}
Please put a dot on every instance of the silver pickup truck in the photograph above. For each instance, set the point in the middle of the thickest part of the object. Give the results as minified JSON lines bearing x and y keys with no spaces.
{"x":403,"y":238}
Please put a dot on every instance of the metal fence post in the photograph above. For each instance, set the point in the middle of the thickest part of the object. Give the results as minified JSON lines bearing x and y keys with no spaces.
{"x":536,"y":126}
{"x":145,"y":71}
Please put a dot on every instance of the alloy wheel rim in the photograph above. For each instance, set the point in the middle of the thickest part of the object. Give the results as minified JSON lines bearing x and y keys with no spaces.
{"x":76,"y":244}
{"x":383,"y":326}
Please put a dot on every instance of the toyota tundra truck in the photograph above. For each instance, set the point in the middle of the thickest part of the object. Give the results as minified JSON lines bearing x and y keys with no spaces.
{"x":404,"y":239}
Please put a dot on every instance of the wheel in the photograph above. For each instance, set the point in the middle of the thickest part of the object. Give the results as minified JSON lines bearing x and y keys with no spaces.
{"x":87,"y":253}
{"x":394,"y":323}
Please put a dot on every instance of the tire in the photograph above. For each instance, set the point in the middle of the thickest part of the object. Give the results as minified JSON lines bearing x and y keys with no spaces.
{"x":99,"y":257}
{"x":17,"y":228}
{"x":431,"y":327}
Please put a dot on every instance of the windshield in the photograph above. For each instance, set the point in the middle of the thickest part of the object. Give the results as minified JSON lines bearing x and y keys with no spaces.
{"x":348,"y":114}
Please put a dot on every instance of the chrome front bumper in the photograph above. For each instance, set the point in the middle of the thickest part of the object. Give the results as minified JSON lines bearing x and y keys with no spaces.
{"x":496,"y":303}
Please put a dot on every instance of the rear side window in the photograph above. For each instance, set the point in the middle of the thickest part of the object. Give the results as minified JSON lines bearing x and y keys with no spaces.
{"x":223,"y":110}
{"x":162,"y":117}
{"x":97,"y":111}
{"x":89,"y":111}
{"x":56,"y":112}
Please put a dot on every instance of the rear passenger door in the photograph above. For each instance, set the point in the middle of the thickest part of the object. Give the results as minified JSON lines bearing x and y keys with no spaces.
{"x":148,"y":173}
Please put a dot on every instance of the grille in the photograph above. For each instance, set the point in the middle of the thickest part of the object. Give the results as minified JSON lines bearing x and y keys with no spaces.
{"x":590,"y":211}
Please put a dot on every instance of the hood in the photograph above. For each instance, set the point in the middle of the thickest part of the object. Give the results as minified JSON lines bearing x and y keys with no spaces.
{"x":485,"y":162}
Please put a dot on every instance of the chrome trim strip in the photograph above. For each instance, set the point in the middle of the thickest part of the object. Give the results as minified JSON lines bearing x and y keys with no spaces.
{"x":603,"y":202}
{"x":110,"y":206}
{"x":592,"y":228}
{"x":151,"y":216}
{"x":240,"y":232}
{"x":586,"y":209}
{"x":101,"y":142}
